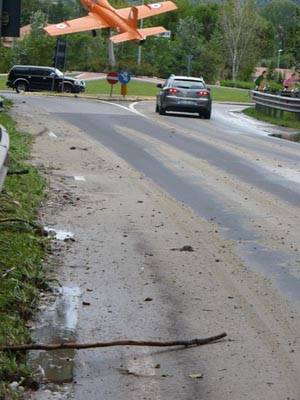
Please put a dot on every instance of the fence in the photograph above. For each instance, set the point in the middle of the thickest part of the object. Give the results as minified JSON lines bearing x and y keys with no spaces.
{"x":275,"y":105}
{"x":4,"y":146}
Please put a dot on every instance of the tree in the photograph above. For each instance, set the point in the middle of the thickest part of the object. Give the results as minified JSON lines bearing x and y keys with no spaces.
{"x":238,"y":21}
{"x":284,"y":15}
{"x":37,"y":48}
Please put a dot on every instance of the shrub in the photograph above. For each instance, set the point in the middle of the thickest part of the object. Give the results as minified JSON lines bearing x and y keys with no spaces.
{"x":238,"y":84}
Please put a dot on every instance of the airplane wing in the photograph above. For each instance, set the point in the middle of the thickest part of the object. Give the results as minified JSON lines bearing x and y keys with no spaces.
{"x":148,"y":10}
{"x":88,"y":23}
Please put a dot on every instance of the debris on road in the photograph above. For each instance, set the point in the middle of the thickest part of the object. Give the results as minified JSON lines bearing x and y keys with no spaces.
{"x":145,"y":343}
{"x":183,"y":248}
{"x":59,"y":235}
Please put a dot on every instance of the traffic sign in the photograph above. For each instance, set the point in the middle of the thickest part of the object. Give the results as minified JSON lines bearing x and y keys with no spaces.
{"x":112,"y":77}
{"x":124,"y":77}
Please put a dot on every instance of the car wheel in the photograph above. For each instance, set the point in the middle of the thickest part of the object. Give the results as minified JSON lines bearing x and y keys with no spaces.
{"x":162,"y":110}
{"x":67,"y":88}
{"x":21,"y":87}
{"x":207,"y":114}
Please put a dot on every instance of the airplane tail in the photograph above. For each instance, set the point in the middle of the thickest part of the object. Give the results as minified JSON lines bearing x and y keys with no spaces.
{"x":151,"y":31}
{"x":133,"y":17}
{"x":123,"y":37}
{"x":142,"y":34}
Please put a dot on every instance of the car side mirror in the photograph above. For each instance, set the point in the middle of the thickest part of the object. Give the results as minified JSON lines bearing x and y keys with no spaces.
{"x":159,"y":85}
{"x":208,"y":88}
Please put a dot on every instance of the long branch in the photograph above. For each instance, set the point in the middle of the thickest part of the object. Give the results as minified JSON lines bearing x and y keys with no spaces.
{"x":20,"y":220}
{"x":78,"y":346}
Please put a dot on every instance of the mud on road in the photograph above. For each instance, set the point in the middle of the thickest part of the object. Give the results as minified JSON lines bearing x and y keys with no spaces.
{"x":120,"y":278}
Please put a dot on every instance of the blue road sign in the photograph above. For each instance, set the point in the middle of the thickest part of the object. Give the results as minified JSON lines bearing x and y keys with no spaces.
{"x":124,"y":77}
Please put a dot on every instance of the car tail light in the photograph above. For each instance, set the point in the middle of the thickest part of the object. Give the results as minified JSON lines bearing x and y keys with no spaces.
{"x":172,"y":91}
{"x":203,"y":93}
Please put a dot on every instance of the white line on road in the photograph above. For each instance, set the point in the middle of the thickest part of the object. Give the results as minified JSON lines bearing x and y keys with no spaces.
{"x":52,"y":135}
{"x":79,"y":178}
{"x":130,"y":108}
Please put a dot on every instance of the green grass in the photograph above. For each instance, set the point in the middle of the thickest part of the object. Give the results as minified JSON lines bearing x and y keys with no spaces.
{"x":289,"y":119}
{"x":230,"y":94}
{"x":22,"y":250}
{"x":137,"y":88}
{"x":3,"y":80}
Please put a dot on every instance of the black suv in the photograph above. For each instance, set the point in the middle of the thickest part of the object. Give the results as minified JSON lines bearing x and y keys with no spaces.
{"x":31,"y":78}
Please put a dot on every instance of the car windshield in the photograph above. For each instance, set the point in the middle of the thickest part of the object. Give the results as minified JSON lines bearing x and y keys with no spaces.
{"x":188,"y":84}
{"x":58,"y":72}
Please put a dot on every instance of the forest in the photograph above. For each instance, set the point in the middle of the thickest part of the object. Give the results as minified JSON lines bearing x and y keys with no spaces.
{"x":217,"y":40}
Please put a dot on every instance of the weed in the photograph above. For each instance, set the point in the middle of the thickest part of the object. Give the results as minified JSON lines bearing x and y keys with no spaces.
{"x":21,"y":254}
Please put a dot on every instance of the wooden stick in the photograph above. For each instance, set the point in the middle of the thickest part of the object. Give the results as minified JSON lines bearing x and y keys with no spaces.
{"x":19,"y":220}
{"x":79,"y":346}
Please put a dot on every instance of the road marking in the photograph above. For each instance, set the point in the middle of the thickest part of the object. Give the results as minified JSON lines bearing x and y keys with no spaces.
{"x":52,"y":135}
{"x":79,"y":178}
{"x":130,"y":108}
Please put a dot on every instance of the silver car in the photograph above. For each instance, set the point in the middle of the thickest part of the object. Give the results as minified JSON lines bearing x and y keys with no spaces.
{"x":184,"y":93}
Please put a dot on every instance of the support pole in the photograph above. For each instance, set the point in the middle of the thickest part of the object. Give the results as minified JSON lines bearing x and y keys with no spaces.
{"x":111,"y":53}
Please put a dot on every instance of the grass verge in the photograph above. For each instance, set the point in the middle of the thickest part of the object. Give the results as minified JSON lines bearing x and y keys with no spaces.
{"x":3,"y":80}
{"x":138,"y":88}
{"x":288,"y":120}
{"x":22,"y":250}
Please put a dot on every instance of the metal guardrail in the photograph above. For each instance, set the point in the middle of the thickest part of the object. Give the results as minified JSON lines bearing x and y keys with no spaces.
{"x":4,"y":146}
{"x":272,"y":104}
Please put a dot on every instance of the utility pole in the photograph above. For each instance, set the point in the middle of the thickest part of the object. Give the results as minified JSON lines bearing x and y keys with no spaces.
{"x":189,"y":64}
{"x":139,"y":59}
{"x":111,"y":53}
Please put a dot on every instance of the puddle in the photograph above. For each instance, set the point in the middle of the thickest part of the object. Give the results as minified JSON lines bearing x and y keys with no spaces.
{"x":58,"y":324}
{"x":58,"y":234}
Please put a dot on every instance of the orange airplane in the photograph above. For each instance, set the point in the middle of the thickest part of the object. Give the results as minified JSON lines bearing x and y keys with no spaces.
{"x":124,"y":20}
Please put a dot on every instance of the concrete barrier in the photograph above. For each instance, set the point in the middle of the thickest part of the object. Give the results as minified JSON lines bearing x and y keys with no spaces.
{"x":4,"y":146}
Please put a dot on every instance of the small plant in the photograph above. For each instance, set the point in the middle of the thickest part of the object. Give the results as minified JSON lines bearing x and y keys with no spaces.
{"x":238,"y":84}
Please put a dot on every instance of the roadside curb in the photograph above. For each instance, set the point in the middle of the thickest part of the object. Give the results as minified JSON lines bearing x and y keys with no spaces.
{"x":293,"y":136}
{"x":117,"y":98}
{"x":4,"y":146}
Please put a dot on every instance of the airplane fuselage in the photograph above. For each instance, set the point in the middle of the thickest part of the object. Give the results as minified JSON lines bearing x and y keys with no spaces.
{"x":124,"y":21}
{"x":110,"y":16}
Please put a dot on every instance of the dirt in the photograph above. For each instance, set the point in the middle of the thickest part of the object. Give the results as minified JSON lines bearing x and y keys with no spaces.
{"x":125,"y":232}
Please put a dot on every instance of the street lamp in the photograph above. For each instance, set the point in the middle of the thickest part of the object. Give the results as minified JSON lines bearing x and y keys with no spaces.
{"x":279,"y":51}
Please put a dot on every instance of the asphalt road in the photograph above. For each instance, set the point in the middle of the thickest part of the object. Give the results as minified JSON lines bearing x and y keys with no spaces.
{"x":235,"y":148}
{"x":245,"y":185}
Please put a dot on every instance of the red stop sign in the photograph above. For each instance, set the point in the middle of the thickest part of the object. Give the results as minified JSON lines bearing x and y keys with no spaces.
{"x":112,"y":77}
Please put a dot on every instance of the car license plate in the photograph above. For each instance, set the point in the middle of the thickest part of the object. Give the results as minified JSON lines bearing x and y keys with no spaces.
{"x":186,"y":102}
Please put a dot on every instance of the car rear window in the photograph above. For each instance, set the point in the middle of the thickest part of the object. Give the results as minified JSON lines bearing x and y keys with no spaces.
{"x":188,"y":84}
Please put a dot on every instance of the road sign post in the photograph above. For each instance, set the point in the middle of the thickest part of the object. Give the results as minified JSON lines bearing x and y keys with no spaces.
{"x":112,"y":78}
{"x":124,"y":79}
{"x":123,"y":89}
